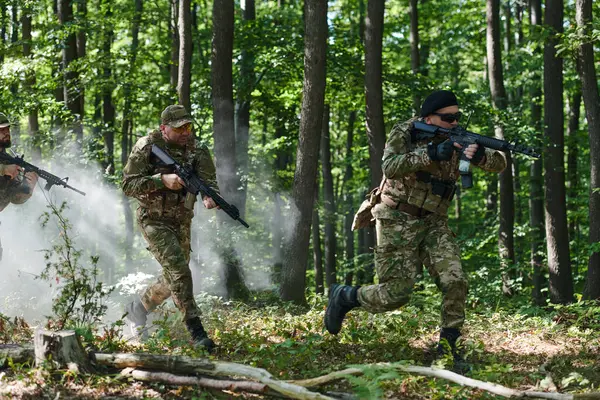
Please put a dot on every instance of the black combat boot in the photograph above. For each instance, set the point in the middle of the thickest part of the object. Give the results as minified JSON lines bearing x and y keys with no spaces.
{"x":447,"y":345}
{"x":199,"y":335}
{"x":342,"y":298}
{"x":137,"y":317}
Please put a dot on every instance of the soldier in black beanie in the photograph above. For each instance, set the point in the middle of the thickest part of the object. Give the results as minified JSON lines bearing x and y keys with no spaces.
{"x":412,"y":223}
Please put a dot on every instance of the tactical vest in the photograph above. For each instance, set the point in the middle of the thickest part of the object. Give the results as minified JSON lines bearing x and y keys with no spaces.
{"x":165,"y":203}
{"x":430,"y":190}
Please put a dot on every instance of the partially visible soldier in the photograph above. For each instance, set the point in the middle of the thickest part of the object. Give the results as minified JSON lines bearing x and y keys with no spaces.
{"x":165,"y":214}
{"x":412,"y":223}
{"x":16,"y":187}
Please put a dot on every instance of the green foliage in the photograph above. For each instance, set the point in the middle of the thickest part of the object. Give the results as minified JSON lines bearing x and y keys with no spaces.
{"x":79,"y":301}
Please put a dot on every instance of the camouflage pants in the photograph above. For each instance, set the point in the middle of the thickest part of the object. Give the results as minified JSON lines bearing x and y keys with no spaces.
{"x":169,"y":242}
{"x":403,"y":244}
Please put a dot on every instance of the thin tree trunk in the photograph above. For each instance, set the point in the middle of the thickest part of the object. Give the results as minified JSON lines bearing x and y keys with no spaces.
{"x":307,"y":157}
{"x":108,"y":108}
{"x":184,"y":71}
{"x":127,"y":125}
{"x":348,"y":198}
{"x":573,"y":108}
{"x":71,"y":75}
{"x":373,"y":87}
{"x":413,"y":7}
{"x":557,"y":234}
{"x":81,"y":45}
{"x":242,"y":130}
{"x":536,"y":193}
{"x":34,"y":126}
{"x":174,"y":32}
{"x":329,"y":202}
{"x":224,"y":136}
{"x":316,"y":245}
{"x":499,"y":100}
{"x":374,"y":102}
{"x":591,"y":99}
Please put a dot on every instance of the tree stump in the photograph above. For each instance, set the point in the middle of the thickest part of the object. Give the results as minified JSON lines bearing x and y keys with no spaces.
{"x":62,"y":350}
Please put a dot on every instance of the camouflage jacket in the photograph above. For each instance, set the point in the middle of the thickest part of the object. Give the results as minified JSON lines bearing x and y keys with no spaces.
{"x":406,"y":162}
{"x":142,"y":177}
{"x":15,"y":191}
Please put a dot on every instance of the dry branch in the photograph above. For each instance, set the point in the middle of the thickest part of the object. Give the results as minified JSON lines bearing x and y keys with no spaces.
{"x":447,"y":375}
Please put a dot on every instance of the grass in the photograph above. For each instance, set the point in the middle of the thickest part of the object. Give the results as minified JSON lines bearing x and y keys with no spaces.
{"x":508,"y":343}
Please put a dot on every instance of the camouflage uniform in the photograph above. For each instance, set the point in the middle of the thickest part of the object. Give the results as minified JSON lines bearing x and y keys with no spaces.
{"x":165,"y":216}
{"x":412,"y":226}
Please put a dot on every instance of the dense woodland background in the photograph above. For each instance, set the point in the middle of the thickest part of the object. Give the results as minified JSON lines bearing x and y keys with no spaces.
{"x":295,"y":100}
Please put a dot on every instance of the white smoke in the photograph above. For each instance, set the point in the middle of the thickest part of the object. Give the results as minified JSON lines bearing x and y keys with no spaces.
{"x":98,"y":228}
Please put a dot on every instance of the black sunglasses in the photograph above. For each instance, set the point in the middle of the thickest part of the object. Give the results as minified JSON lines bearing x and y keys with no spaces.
{"x":449,"y":118}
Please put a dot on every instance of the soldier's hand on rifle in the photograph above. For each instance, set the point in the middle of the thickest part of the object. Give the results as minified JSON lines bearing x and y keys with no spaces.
{"x":209,"y":202}
{"x":172,"y":181}
{"x":475,"y":153}
{"x":442,"y":151}
{"x":11,"y":170}
{"x":32,"y":178}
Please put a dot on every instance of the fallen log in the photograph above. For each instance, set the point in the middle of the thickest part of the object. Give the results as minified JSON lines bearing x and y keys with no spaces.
{"x":209,"y":383}
{"x":188,"y":365}
{"x":18,"y":354}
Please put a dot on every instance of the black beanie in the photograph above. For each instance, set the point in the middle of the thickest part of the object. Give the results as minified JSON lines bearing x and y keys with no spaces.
{"x":437,"y":100}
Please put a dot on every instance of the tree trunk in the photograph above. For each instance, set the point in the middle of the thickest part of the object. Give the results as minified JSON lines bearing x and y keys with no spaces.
{"x":81,"y":45}
{"x":499,"y":101}
{"x":34,"y":125}
{"x":573,"y":107}
{"x":536,"y":193}
{"x":224,"y":135}
{"x":307,"y":157}
{"x":71,"y":75}
{"x":242,"y":129}
{"x":557,"y":234}
{"x":374,"y":103}
{"x":3,"y":24}
{"x":348,"y":198}
{"x":415,"y":60}
{"x":373,"y":87}
{"x":329,"y":202}
{"x":174,"y":32}
{"x":316,"y":245}
{"x":184,"y":71}
{"x":108,"y":108}
{"x":127,"y":125}
{"x":591,"y":99}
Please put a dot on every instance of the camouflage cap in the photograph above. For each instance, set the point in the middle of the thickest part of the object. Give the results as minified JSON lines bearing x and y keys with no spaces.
{"x":4,"y":122}
{"x":175,"y":116}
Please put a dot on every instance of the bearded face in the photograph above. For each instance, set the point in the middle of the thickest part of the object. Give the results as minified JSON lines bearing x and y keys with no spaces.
{"x":5,"y":137}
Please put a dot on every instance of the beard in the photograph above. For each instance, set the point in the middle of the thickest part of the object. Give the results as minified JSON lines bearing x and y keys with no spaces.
{"x":5,"y":143}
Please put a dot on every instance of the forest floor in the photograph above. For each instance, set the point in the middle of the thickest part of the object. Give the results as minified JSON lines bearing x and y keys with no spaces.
{"x":505,"y":341}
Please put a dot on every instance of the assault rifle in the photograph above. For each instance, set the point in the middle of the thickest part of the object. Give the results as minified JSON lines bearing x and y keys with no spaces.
{"x":195,"y":185}
{"x":458,"y":134}
{"x":50,"y":179}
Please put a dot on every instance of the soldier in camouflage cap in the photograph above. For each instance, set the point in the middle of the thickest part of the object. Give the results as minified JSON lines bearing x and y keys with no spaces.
{"x":16,"y":187}
{"x":165,"y":214}
{"x":412,"y":222}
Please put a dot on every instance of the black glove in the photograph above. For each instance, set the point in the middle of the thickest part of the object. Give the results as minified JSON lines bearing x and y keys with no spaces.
{"x":478,"y":156}
{"x":440,"y":152}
